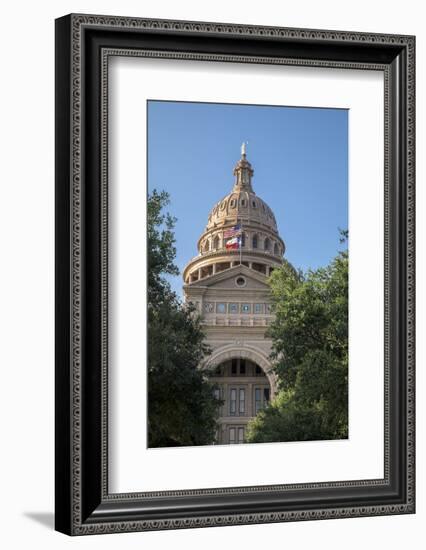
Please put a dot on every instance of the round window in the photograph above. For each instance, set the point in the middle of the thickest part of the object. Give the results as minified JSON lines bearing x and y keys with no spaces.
{"x":240,"y":281}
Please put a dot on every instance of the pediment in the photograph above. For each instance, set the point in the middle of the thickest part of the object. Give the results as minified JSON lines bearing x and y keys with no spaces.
{"x":226,"y":279}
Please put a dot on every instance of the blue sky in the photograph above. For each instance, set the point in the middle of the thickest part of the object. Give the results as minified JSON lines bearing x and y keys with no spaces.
{"x":300,"y":161}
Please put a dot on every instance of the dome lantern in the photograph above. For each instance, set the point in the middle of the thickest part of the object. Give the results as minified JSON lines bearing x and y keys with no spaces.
{"x":243,"y":173}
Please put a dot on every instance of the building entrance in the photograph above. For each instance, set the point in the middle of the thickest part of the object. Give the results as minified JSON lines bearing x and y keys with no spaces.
{"x":244,"y":388}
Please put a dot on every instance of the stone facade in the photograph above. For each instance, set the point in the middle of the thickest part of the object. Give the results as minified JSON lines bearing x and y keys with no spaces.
{"x":229,"y":289}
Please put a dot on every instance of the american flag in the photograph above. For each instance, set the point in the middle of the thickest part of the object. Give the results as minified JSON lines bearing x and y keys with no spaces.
{"x":232,"y":231}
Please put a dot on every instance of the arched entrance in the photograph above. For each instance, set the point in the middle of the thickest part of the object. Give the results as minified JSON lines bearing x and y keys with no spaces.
{"x":245,"y":389}
{"x":251,"y":353}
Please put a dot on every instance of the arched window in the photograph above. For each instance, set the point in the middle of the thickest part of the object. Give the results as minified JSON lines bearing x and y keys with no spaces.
{"x":243,"y":239}
{"x":216,"y":242}
{"x":206,"y":246}
{"x":276,"y":252}
{"x":255,"y":240}
{"x":267,"y":244}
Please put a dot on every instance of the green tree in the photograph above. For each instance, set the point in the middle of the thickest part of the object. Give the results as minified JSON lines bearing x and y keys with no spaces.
{"x":310,"y":354}
{"x":181,"y":407}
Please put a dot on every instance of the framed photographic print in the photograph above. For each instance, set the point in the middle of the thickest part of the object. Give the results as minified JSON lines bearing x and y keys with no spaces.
{"x":234,"y":274}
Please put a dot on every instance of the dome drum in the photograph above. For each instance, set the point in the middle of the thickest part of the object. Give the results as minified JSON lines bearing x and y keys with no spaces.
{"x":252,"y":239}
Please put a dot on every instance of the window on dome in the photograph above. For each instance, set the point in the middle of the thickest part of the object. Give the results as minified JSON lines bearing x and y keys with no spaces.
{"x":276,"y":249}
{"x":206,"y":246}
{"x":243,"y":202}
{"x":233,"y":203}
{"x":254,"y":204}
{"x":255,"y":239}
{"x":216,"y":243}
{"x":243,"y":239}
{"x":267,"y":245}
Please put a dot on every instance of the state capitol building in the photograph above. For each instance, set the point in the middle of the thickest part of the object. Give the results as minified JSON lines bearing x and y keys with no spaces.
{"x":227,"y":283}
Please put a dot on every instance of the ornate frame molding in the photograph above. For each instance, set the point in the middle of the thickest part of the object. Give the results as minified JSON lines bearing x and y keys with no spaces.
{"x":85,"y":507}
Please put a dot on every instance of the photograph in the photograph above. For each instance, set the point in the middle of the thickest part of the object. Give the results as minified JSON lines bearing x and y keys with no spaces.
{"x":248,"y":262}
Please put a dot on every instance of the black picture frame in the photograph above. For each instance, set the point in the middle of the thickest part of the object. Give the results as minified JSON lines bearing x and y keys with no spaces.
{"x":83,"y":504}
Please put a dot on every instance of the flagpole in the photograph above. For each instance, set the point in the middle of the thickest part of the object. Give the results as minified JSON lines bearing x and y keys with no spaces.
{"x":241,"y":241}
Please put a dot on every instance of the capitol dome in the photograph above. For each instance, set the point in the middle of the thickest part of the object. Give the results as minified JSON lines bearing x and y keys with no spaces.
{"x":242,"y":203}
{"x":261,"y":247}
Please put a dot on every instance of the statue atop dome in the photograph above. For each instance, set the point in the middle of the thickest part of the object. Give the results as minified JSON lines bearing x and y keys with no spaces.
{"x":243,"y":172}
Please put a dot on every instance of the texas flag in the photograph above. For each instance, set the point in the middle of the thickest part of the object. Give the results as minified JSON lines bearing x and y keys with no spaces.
{"x":233,"y":244}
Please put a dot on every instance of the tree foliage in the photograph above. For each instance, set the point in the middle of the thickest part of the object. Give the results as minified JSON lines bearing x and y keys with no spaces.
{"x":181,"y":406}
{"x":310,"y":354}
